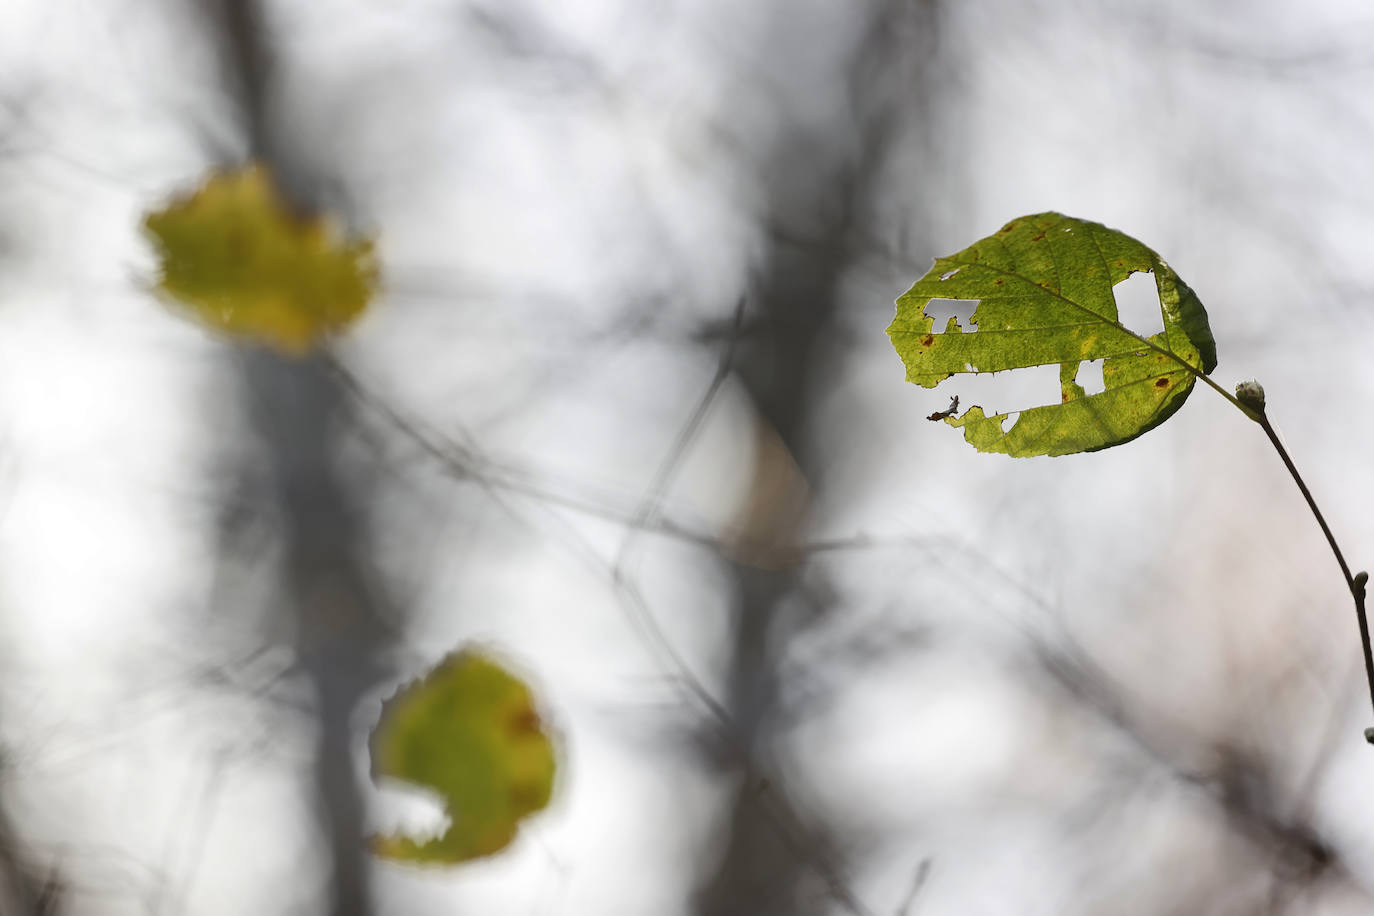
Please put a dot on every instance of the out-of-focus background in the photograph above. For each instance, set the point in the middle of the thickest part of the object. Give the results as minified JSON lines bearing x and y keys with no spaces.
{"x":626,"y":415}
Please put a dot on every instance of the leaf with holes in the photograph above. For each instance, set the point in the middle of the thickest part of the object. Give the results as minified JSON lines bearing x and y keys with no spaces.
{"x":469,"y":731}
{"x":1043,"y":287}
{"x":237,"y":258}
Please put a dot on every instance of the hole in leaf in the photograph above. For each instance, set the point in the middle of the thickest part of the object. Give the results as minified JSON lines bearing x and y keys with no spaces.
{"x":949,"y":273}
{"x":1137,"y":304}
{"x":1089,"y":376}
{"x":960,"y":309}
{"x":1004,"y":392}
{"x":410,"y":809}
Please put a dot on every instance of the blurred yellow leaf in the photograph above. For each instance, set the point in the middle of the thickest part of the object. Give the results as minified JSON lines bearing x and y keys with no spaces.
{"x":469,"y":731}
{"x":235,"y":255}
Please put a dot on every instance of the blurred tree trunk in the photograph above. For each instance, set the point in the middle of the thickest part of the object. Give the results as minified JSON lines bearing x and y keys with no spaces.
{"x":297,"y":406}
{"x":777,"y":857}
{"x":22,"y":890}
{"x":339,"y":619}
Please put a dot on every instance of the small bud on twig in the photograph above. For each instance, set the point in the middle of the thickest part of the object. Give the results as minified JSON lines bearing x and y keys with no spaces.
{"x":1251,"y":394}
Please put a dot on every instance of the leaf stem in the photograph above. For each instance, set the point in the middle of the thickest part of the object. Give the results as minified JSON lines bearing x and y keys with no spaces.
{"x":1228,"y":396}
{"x":1356,"y":583}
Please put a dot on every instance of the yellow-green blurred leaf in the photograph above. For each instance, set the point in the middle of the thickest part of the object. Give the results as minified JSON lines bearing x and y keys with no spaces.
{"x":235,"y":256}
{"x":469,"y":731}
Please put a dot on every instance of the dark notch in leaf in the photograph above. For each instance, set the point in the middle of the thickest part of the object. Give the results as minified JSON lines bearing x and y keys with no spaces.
{"x":1043,"y":285}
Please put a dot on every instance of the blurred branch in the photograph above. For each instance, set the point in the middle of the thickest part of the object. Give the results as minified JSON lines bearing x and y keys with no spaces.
{"x":819,"y":176}
{"x":520,"y":37}
{"x":1240,"y":786}
{"x":917,"y":883}
{"x":460,"y":456}
{"x":188,"y":854}
{"x":25,"y":886}
{"x":335,"y":603}
{"x":651,"y":505}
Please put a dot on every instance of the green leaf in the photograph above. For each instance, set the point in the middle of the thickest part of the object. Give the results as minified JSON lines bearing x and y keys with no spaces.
{"x":1043,"y":284}
{"x":469,"y":731}
{"x":235,"y":256}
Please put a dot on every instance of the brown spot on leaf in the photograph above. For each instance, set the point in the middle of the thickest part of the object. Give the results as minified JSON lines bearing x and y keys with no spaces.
{"x":1038,"y":238}
{"x":527,"y":797}
{"x":523,"y":720}
{"x":927,"y":340}
{"x":998,"y":282}
{"x":1162,"y":383}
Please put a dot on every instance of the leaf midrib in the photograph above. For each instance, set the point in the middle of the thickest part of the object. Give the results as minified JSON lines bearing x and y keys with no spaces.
{"x":1197,"y":373}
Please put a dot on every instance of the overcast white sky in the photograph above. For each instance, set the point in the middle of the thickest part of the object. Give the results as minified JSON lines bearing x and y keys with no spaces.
{"x":550,"y":241}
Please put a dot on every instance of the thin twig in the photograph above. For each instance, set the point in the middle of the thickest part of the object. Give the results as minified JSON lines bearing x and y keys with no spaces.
{"x":917,"y":883}
{"x":1356,"y":583}
{"x":651,"y":506}
{"x":464,"y":461}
